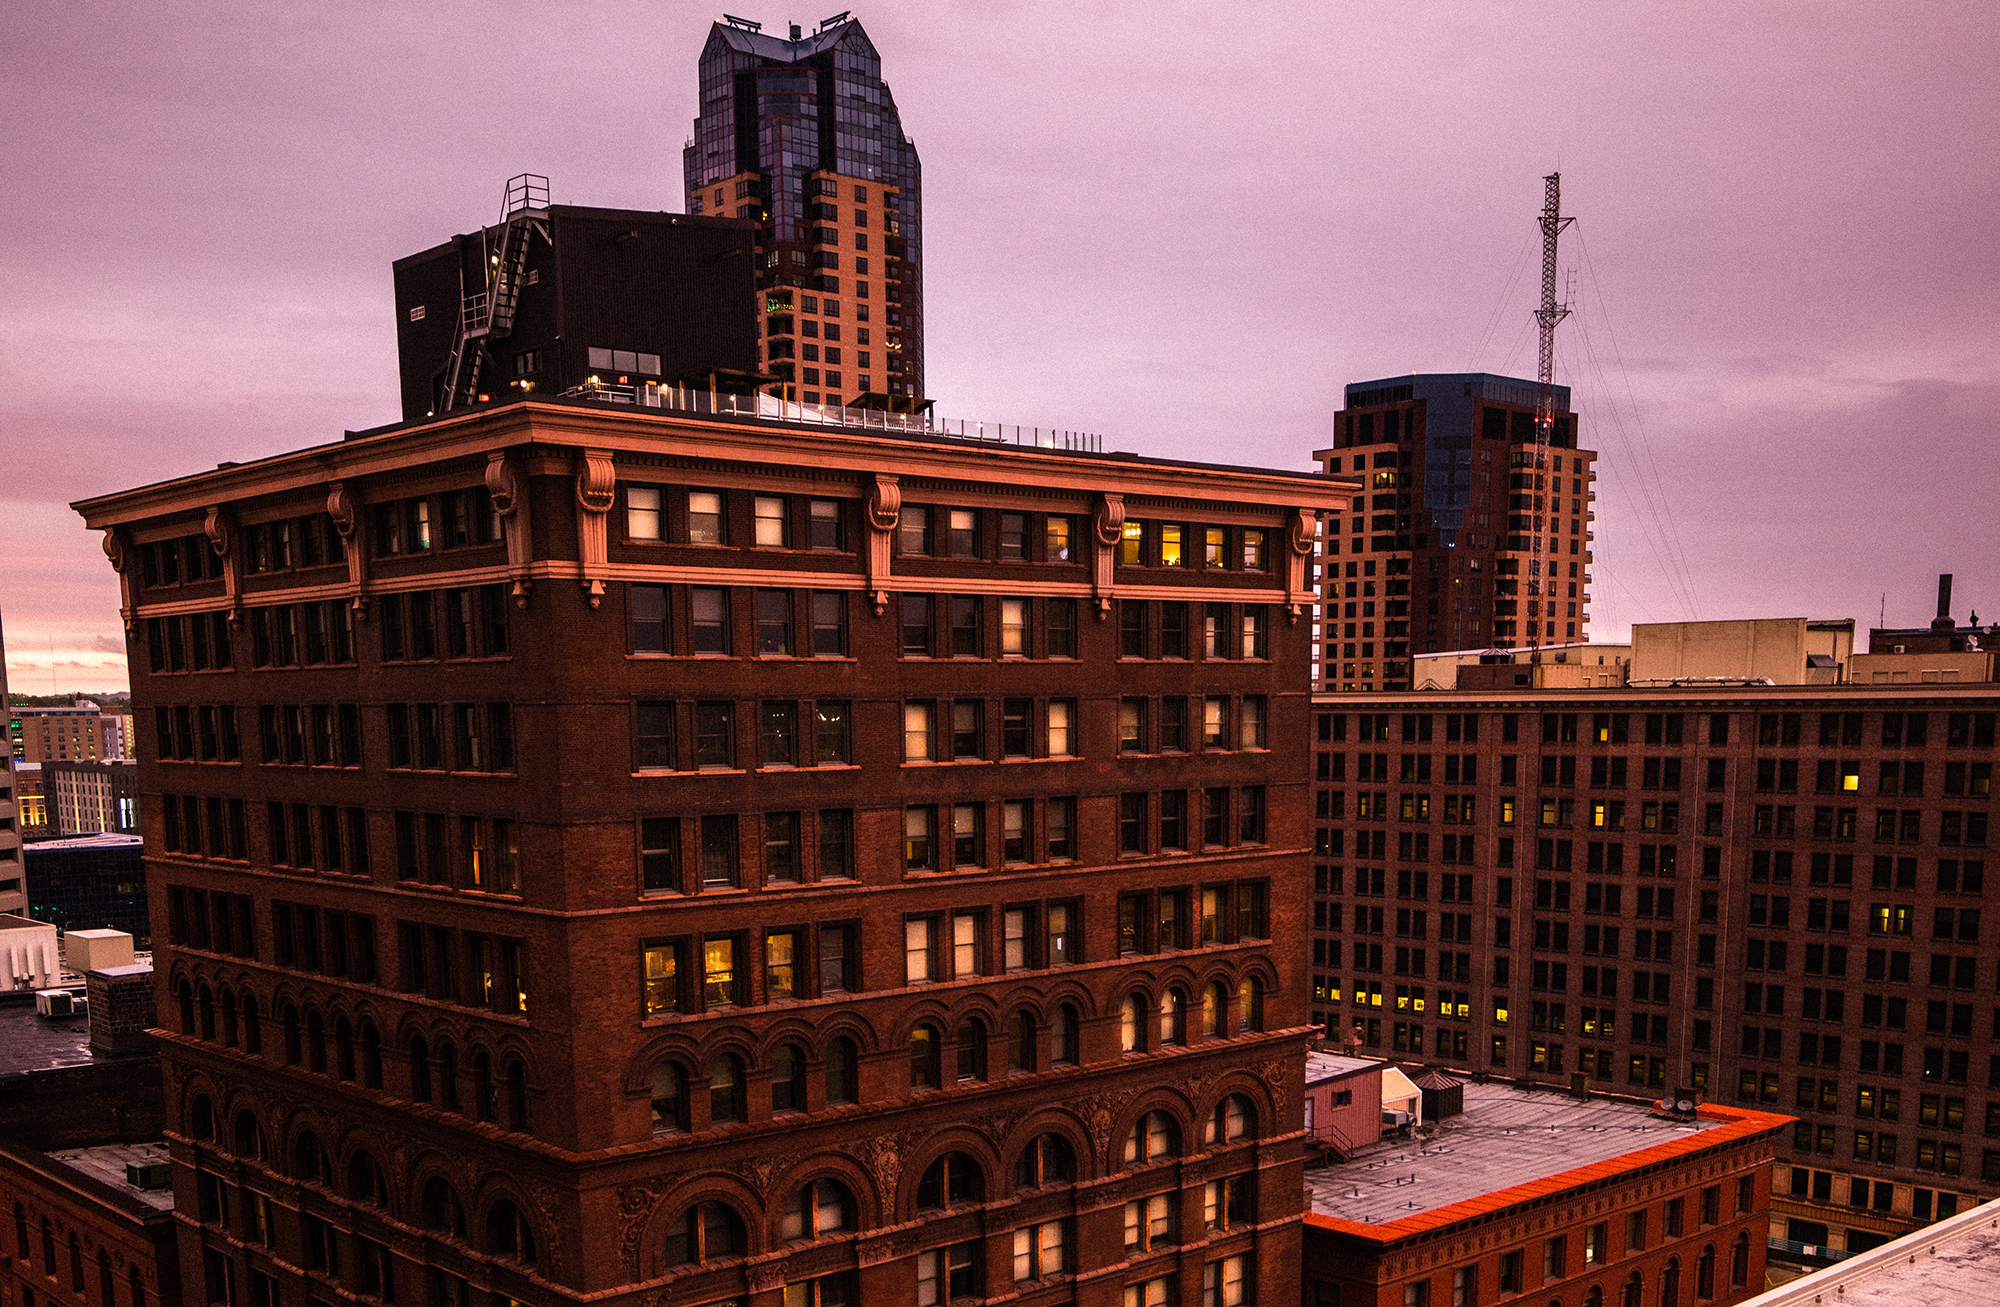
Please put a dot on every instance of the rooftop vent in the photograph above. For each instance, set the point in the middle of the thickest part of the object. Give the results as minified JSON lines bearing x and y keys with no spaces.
{"x":149,"y":1175}
{"x":55,"y":1003}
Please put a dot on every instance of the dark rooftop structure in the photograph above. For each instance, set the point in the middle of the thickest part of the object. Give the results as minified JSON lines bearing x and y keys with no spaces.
{"x":558,"y":296}
{"x":1943,"y":635}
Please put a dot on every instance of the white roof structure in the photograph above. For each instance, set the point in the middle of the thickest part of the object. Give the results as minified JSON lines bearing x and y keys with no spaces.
{"x":1953,"y":1263}
{"x":29,"y":958}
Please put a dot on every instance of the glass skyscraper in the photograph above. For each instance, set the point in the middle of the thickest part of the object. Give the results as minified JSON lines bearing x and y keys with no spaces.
{"x":801,"y":135}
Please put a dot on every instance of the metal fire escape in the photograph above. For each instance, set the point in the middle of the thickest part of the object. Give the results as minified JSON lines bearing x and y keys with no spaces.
{"x":487,"y":314}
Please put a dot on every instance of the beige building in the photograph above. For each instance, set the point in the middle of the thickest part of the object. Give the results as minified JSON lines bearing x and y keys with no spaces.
{"x":1773,"y":650}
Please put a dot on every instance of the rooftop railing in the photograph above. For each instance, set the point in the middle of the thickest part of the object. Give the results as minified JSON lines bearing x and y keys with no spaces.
{"x":771,"y":408}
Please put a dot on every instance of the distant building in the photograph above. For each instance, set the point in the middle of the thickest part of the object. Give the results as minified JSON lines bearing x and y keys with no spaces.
{"x":1598,"y":1201}
{"x":92,"y":797}
{"x":30,"y":803}
{"x":619,"y":301}
{"x":801,"y":136}
{"x":1566,"y":666}
{"x":1459,"y":540}
{"x":88,"y":882}
{"x":13,"y":814}
{"x":81,"y":731}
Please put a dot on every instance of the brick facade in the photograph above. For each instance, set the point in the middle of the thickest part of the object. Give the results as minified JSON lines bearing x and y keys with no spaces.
{"x":680,"y":861}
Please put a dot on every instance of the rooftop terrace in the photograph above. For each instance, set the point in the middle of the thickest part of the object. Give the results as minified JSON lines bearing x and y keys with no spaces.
{"x":1510,"y":1142}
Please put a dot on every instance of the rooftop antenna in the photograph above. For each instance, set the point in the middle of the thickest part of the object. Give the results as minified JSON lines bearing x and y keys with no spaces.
{"x":746,"y":24}
{"x":1548,"y":315}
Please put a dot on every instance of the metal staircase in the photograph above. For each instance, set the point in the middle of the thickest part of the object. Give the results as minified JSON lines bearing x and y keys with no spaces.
{"x":487,"y":314}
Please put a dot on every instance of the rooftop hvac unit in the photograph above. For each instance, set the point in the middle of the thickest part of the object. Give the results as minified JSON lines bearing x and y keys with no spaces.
{"x":149,"y":1175}
{"x":54,"y":1003}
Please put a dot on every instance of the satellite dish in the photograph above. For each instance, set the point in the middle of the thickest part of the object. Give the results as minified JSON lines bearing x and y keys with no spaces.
{"x":1685,"y":1105}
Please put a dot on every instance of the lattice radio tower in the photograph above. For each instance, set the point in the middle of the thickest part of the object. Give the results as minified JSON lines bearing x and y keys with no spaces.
{"x":1548,"y":315}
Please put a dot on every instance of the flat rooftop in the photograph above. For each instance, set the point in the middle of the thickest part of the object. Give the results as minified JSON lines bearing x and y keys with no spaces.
{"x":1329,"y":1066}
{"x":1507,"y":1139}
{"x":95,"y":840}
{"x":107,"y":1163}
{"x":31,"y":1042}
{"x":1949,"y":1264}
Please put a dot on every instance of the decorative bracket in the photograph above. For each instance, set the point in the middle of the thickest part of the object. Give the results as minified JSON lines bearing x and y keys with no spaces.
{"x":596,"y":487}
{"x":345,"y":510}
{"x":503,"y":483}
{"x":117,"y":550}
{"x":1107,"y":529}
{"x":885,"y":511}
{"x":220,"y":527}
{"x":1300,"y":534}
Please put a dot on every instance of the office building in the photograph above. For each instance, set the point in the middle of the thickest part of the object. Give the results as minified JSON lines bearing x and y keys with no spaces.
{"x":75,"y":733}
{"x":737,"y":862}
{"x":92,"y":797}
{"x":1514,"y":1191}
{"x":14,"y":815}
{"x":801,"y":136}
{"x":554,"y":298}
{"x":1760,"y":894}
{"x":1459,"y":541}
{"x":89,"y":882}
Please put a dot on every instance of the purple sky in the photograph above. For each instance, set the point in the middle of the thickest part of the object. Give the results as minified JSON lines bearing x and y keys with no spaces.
{"x":1183,"y":226}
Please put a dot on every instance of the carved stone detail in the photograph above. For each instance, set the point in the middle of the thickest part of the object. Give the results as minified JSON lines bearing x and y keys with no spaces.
{"x":1107,"y":529}
{"x":885,"y":512}
{"x":344,"y":507}
{"x":503,"y":483}
{"x":596,"y":488}
{"x":118,"y":553}
{"x":220,"y":528}
{"x":635,"y":1207}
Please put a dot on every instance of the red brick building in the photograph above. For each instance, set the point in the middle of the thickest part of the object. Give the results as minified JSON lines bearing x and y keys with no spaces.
{"x":1764,"y":895}
{"x":694,"y":860}
{"x":1598,"y":1202}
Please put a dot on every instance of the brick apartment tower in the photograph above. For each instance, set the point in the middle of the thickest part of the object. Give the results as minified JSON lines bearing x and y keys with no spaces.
{"x":671,"y":860}
{"x":1463,"y":544}
{"x":1769,"y":895}
{"x":802,"y":137}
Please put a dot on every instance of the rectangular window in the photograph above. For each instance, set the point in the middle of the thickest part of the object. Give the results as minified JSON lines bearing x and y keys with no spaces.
{"x":919,"y":950}
{"x":1014,"y":627}
{"x":771,"y":522}
{"x":962,"y":533}
{"x":709,"y":619}
{"x":966,"y":720}
{"x":660,"y":979}
{"x":827,"y":526}
{"x":917,"y":624}
{"x":920,"y":838}
{"x":1132,"y":823}
{"x":643,"y":518}
{"x":781,"y":732}
{"x":1061,"y":728}
{"x":1215,"y":722}
{"x":1173,"y":725}
{"x":918,"y":730}
{"x":1061,"y":814}
{"x":1061,"y":628}
{"x":965,"y":641}
{"x":1014,"y":830}
{"x":718,"y":851}
{"x":968,"y":835}
{"x":1131,"y":726}
{"x":714,"y":735}
{"x":1173,"y":629}
{"x":781,"y":847}
{"x":829,"y":619}
{"x":836,"y":844}
{"x":774,"y":623}
{"x":1014,"y":727}
{"x":705,"y":520}
{"x":1013,"y":537}
{"x":718,"y":972}
{"x":1173,"y":821}
{"x":830,"y":732}
{"x":913,"y":531}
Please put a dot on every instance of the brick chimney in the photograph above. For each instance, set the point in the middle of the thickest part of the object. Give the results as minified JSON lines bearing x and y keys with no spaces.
{"x":121,"y":1009}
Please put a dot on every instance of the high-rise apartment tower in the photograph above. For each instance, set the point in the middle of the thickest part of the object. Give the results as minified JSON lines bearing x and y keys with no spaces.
{"x":1457,"y":541}
{"x":802,"y":136}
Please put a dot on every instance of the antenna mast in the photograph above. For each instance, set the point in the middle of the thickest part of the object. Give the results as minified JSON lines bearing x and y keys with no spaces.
{"x":1548,"y":315}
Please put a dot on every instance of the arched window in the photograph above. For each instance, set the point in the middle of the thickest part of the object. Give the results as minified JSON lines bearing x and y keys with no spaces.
{"x":1152,"y":1136}
{"x":821,"y":1208}
{"x":253,"y":1033}
{"x":843,"y":1071}
{"x":1132,"y":1024}
{"x":448,"y":1077}
{"x":288,"y":1019}
{"x":1670,"y":1283}
{"x":725,"y":1089}
{"x":924,"y":1057}
{"x":951,"y":1180}
{"x":517,"y":1095}
{"x":1214,"y":1010}
{"x":970,"y":1042}
{"x":1593,"y":1297}
{"x":343,"y":1048}
{"x":204,"y":1002}
{"x":1633,"y":1292}
{"x":107,"y":1283}
{"x":1021,"y":1042}
{"x":184,"y":998}
{"x":365,"y":1182}
{"x":75,"y":1264}
{"x":371,"y":1055}
{"x":482,"y":1084}
{"x":670,"y":1101}
{"x":441,"y":1208}
{"x":1063,"y":1037}
{"x":48,"y":1249}
{"x":420,"y":1069}
{"x":1250,"y":1004}
{"x":788,"y":1079}
{"x":135,"y":1285}
{"x":249,"y":1136}
{"x":228,"y":1006}
{"x":508,"y":1233}
{"x":1704,"y":1273}
{"x":1739,"y":1261}
{"x":309,"y":1160}
{"x":1232,"y":1119}
{"x":1048,"y":1159}
{"x":704,"y":1233}
{"x":21,"y":1234}
{"x":1173,"y":1018}
{"x":315,"y":1040}
{"x":201,"y":1118}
